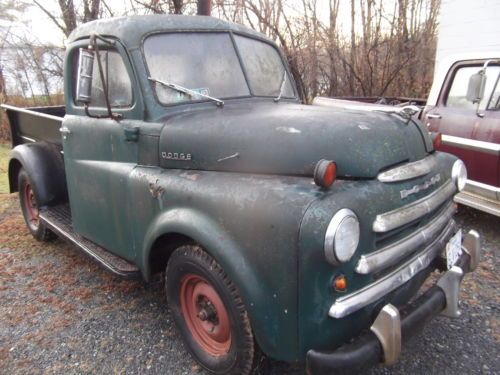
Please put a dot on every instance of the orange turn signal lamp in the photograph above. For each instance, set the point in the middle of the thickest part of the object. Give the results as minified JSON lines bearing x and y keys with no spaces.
{"x":340,"y":283}
{"x":325,"y":173}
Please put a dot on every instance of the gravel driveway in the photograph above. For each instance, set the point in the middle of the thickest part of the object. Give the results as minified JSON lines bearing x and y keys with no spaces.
{"x":60,"y":313}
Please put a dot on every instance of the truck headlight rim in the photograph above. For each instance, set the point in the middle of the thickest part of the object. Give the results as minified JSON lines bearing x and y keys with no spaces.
{"x":459,"y":174}
{"x":339,"y":248}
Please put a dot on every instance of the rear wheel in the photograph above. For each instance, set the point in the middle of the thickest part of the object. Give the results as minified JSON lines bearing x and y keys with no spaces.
{"x":31,"y":208}
{"x":209,"y":312}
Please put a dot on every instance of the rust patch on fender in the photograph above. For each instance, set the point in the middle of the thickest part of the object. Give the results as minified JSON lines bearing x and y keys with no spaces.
{"x":155,"y":189}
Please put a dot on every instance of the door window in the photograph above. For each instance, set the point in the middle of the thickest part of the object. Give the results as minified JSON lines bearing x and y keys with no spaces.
{"x":494,"y":103}
{"x":457,"y":96}
{"x":116,"y":77}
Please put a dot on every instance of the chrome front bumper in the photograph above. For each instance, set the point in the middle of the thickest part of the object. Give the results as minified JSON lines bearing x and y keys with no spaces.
{"x":393,"y":326}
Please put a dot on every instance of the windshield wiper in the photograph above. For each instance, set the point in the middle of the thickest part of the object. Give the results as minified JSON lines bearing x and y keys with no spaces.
{"x":186,"y":91}
{"x":283,"y":81}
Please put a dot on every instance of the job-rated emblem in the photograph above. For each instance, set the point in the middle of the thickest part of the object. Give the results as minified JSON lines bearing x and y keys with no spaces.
{"x":423,"y":186}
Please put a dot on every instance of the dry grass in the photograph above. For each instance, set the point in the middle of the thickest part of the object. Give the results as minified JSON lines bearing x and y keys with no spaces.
{"x":4,"y":159}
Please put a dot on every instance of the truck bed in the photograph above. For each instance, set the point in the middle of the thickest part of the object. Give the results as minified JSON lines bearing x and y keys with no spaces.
{"x":35,"y":124}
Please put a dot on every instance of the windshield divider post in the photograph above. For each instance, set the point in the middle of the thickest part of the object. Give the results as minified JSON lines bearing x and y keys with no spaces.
{"x":240,"y":60}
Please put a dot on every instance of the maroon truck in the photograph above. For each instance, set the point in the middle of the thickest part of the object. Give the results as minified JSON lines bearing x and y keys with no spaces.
{"x":464,"y":106}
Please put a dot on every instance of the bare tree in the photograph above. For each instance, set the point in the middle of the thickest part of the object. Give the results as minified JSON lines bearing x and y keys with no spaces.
{"x":380,"y":49}
{"x":69,"y":17}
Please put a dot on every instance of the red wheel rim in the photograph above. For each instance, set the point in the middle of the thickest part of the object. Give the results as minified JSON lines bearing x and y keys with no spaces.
{"x":32,"y":212}
{"x":205,"y":315}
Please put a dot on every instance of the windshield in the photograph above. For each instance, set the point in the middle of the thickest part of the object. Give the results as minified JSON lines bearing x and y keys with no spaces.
{"x":208,"y":63}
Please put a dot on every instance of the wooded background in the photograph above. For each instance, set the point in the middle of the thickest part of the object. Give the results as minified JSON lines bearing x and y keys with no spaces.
{"x":334,"y":47}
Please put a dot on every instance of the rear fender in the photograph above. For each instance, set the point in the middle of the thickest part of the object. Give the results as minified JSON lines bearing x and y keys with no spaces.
{"x":45,"y":167}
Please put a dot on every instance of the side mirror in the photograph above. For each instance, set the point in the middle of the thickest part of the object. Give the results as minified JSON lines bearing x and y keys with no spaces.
{"x":84,"y":82}
{"x":475,"y":89}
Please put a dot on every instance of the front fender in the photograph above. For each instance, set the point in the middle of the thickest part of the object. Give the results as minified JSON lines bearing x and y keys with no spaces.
{"x":226,"y":251}
{"x":203,"y":230}
{"x":249,"y":224}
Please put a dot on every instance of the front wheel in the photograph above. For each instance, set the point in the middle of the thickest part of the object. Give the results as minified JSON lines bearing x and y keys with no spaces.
{"x":209,"y":312}
{"x":31,"y":208}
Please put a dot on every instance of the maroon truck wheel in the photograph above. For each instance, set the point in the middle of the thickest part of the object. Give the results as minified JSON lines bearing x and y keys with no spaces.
{"x":31,"y":208}
{"x":209,"y":312}
{"x":205,"y":315}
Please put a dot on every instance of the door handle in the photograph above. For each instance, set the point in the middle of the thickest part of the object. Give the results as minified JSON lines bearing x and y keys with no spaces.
{"x":131,"y":133}
{"x":433,"y":116}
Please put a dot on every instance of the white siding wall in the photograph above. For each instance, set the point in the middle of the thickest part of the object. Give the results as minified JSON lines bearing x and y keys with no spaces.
{"x":468,"y":26}
{"x":468,"y":30}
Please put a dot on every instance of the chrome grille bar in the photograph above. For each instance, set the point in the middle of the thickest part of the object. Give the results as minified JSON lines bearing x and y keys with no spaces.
{"x":389,"y":255}
{"x":409,"y":170}
{"x":371,"y":293}
{"x":406,"y":214}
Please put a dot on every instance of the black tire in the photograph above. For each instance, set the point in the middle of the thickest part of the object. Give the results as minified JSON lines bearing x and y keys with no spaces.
{"x":238,"y":358}
{"x":28,"y":203}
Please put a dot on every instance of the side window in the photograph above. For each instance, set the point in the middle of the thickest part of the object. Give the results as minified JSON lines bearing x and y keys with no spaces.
{"x":494,"y":103}
{"x":116,"y":76}
{"x":457,"y":96}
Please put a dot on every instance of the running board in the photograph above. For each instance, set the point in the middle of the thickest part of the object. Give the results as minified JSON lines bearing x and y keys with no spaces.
{"x":58,"y":220}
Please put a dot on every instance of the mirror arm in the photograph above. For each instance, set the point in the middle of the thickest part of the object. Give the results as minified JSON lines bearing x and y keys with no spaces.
{"x":93,"y":46}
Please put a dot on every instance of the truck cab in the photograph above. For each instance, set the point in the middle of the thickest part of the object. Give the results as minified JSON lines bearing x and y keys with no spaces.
{"x":470,"y":125}
{"x":300,"y":231}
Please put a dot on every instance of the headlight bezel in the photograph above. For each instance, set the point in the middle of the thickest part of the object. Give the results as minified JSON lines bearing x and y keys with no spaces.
{"x":333,"y":254}
{"x":459,"y":174}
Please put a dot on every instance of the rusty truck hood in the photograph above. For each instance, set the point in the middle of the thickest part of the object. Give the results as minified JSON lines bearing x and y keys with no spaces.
{"x":288,"y":138}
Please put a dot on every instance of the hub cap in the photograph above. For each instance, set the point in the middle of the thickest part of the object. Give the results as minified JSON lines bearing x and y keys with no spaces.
{"x":205,"y":315}
{"x":32,"y":213}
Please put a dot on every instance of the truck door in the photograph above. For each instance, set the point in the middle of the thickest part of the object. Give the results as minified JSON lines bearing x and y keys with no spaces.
{"x":454,"y":115}
{"x":98,"y":154}
{"x":489,"y":131}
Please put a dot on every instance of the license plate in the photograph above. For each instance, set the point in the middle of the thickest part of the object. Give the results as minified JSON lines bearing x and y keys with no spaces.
{"x":454,"y":249}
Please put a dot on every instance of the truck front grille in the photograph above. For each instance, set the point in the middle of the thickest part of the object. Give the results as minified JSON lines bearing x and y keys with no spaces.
{"x":398,"y":250}
{"x":402,"y":232}
{"x":400,"y":216}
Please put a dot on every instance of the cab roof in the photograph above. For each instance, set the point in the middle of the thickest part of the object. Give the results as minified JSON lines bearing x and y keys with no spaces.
{"x":131,"y":30}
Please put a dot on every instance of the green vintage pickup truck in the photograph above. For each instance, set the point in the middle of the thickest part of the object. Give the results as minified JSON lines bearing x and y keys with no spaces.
{"x":301,"y":232}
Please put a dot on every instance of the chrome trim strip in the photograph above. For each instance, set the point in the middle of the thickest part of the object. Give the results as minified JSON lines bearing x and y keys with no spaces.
{"x":478,"y":202}
{"x":28,"y":139}
{"x":353,"y":302}
{"x":406,"y":214}
{"x":471,"y":144}
{"x":406,"y":111}
{"x":394,"y":252}
{"x":483,"y":190}
{"x":408,"y":171}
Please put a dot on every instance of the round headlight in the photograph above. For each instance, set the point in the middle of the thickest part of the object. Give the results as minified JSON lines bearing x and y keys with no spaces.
{"x":459,"y":174}
{"x":342,"y":237}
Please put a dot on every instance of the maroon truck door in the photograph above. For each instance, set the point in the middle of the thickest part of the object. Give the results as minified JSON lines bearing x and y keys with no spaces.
{"x":456,"y":116}
{"x":489,"y":131}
